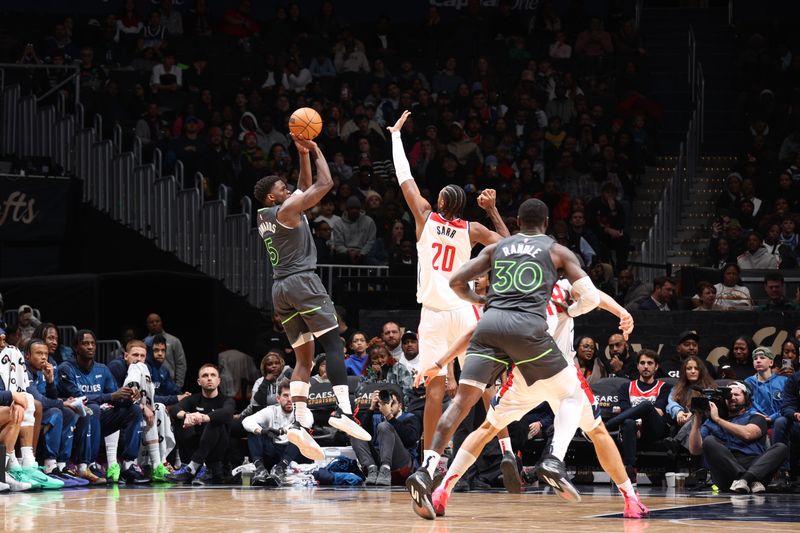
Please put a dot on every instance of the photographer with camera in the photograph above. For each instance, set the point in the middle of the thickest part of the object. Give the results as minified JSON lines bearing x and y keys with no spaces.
{"x":394,"y":443}
{"x":733,"y":443}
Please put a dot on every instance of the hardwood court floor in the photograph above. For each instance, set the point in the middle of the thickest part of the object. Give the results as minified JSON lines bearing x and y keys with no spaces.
{"x":358,"y":510}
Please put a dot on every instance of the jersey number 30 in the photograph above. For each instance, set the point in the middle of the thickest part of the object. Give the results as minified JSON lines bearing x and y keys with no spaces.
{"x":443,"y":257}
{"x":524,"y":277}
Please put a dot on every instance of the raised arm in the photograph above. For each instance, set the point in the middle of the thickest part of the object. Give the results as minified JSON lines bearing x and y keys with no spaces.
{"x":301,"y":201}
{"x":304,"y":180}
{"x":581,"y":283}
{"x":469,"y":271}
{"x":419,"y":206}
{"x":487,"y":201}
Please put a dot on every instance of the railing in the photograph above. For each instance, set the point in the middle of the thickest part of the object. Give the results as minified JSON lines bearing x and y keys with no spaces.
{"x":667,"y":215}
{"x":637,"y":13}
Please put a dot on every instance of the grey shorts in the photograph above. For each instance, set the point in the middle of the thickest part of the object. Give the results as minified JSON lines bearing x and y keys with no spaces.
{"x":505,"y":338}
{"x":304,"y":307}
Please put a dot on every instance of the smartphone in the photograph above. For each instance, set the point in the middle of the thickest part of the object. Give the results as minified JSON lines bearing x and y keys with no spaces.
{"x":786,"y":363}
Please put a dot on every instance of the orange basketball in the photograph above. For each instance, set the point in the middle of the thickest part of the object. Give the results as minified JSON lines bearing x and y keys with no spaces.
{"x":305,"y":122}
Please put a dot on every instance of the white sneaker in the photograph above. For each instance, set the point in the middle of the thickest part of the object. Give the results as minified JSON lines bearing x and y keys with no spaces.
{"x":16,"y":486}
{"x":757,"y":487}
{"x":301,"y":438}
{"x":740,"y":486}
{"x":4,"y":487}
{"x":346,"y":423}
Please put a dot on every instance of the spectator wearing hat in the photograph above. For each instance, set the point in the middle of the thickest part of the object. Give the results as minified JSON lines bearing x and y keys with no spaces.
{"x":353,"y":234}
{"x":733,"y":444}
{"x":767,"y":386}
{"x":687,"y":344}
{"x":410,"y":347}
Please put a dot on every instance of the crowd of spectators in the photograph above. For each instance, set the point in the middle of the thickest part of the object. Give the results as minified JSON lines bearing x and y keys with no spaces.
{"x":532,"y":103}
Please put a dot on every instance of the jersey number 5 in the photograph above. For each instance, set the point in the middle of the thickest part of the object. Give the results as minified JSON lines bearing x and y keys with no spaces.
{"x":443,"y":261}
{"x":273,"y":252}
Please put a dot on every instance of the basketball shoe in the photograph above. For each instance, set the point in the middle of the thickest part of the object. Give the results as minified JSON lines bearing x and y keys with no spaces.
{"x":553,"y":472}
{"x":419,"y":485}
{"x":346,"y":423}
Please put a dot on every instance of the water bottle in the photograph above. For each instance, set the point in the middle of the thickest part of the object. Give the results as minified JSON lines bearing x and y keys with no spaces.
{"x":247,"y":473}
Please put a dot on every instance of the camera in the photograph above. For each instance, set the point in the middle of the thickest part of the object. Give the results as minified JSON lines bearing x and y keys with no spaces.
{"x":384,"y":396}
{"x":702,"y":404}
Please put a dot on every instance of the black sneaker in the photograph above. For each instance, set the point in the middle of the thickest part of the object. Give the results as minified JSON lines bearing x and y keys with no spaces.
{"x":182,"y":475}
{"x":420,"y":486}
{"x":134,"y":475}
{"x":462,"y":485}
{"x":279,"y":470}
{"x":552,"y":471}
{"x":511,"y":479}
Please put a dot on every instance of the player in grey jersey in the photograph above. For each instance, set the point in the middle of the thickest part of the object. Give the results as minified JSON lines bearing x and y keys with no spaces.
{"x":298,"y":295}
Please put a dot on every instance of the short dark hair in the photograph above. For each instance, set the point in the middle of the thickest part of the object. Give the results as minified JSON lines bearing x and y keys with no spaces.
{"x":159,"y":339}
{"x":660,"y":281}
{"x":264,"y":186}
{"x":652,"y":354}
{"x":212,"y":365}
{"x":533,"y":212}
{"x":454,"y":199}
{"x":703,"y":285}
{"x":774,"y":276}
{"x":79,"y":336}
{"x":34,"y":341}
{"x":283,"y":385}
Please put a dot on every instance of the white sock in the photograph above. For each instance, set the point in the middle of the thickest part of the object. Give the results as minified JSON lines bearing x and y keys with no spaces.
{"x":62,"y":466}
{"x":299,"y":389}
{"x":430,"y":460}
{"x":126,"y":464}
{"x":49,"y":465}
{"x":111,"y":448}
{"x":83,"y":467}
{"x":194,"y":467}
{"x":627,"y":489}
{"x":565,"y":425}
{"x":505,"y":444}
{"x":342,"y":393}
{"x":28,"y":459}
{"x":463,"y":460}
{"x":150,"y":440}
{"x":11,"y":461}
{"x":303,"y":414}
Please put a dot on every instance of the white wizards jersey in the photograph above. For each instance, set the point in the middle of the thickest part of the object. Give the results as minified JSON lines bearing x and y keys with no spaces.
{"x":442,"y":248}
{"x":560,"y":325}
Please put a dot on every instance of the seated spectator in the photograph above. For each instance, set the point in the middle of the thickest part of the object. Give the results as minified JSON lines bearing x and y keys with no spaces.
{"x":630,"y":292}
{"x":767,"y":385}
{"x":602,"y":275}
{"x":320,"y":369}
{"x":646,"y":399}
{"x":660,"y":298}
{"x":273,"y":371}
{"x":353,"y":234}
{"x":355,"y":362}
{"x":687,"y":344}
{"x":606,"y":217}
{"x":729,"y":199}
{"x":404,"y":261}
{"x":789,"y":357}
{"x":588,"y":361}
{"x":377,"y":364}
{"x":733,"y":446}
{"x":395,"y":441}
{"x":26,"y":322}
{"x":776,"y":294}
{"x":622,"y":361}
{"x":789,"y":432}
{"x":739,"y":362}
{"x":730,"y":294}
{"x":166,"y":391}
{"x":693,"y":374}
{"x":708,"y":297}
{"x":166,"y":77}
{"x":269,"y":447}
{"x":720,"y":252}
{"x":756,"y":255}
{"x":202,"y":428}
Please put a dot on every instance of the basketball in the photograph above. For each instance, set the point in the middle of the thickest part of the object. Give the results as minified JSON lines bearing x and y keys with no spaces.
{"x":305,"y":122}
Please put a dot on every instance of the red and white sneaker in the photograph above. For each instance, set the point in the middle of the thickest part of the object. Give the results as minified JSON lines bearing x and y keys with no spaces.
{"x":634,"y":508}
{"x":439,"y":499}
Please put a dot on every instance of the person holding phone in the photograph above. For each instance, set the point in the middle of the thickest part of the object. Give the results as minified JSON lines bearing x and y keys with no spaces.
{"x":395,"y":440}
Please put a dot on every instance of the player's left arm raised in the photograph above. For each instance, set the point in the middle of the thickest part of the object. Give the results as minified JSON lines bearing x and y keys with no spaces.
{"x":469,"y":271}
{"x":304,"y":179}
{"x":301,"y":201}
{"x":487,"y":201}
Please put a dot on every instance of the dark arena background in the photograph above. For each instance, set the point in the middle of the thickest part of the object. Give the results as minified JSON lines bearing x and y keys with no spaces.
{"x":663,"y":137}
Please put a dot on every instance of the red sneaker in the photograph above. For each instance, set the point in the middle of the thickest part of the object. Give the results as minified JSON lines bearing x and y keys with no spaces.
{"x":440,"y":498}
{"x":634,"y":508}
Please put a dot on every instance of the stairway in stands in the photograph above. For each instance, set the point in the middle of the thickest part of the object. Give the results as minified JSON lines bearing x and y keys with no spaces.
{"x":666,"y":29}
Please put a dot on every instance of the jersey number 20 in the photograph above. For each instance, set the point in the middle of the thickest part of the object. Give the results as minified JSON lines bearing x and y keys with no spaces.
{"x":443,"y":257}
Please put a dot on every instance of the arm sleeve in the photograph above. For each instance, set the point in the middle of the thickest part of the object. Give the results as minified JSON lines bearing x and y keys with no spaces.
{"x":66,"y":387}
{"x":401,"y":167}
{"x":370,"y":237}
{"x":188,"y":404}
{"x":338,"y":238}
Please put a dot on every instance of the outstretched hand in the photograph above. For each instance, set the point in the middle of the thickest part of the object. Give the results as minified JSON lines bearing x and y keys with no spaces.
{"x":487,"y":199}
{"x":303,"y":145}
{"x":426,"y":375}
{"x":626,"y":324}
{"x":400,"y":121}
